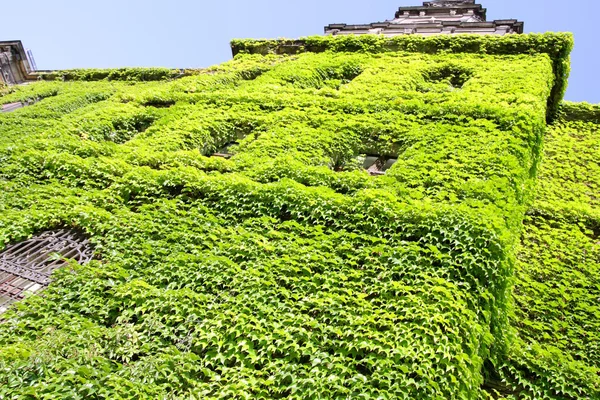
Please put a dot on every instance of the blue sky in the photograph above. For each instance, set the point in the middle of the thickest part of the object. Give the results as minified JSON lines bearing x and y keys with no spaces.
{"x":185,"y":33}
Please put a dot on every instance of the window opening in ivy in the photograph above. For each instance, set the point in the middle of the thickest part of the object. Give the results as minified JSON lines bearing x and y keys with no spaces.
{"x":454,"y":76}
{"x":378,"y":165}
{"x":26,"y":267}
{"x":159,"y":103}
{"x":11,"y":107}
{"x":6,"y":108}
{"x":224,"y":152}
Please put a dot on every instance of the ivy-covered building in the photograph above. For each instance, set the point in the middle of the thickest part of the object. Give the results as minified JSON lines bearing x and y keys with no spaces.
{"x":399,"y":215}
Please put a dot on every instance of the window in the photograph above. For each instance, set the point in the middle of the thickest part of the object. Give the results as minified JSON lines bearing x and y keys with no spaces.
{"x":10,"y":107}
{"x":26,"y":267}
{"x":224,"y":151}
{"x":377,"y":165}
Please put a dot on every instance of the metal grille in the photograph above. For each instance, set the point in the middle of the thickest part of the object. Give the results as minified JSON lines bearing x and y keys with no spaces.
{"x":26,"y":267}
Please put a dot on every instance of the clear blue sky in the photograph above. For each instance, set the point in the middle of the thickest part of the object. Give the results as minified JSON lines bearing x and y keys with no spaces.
{"x":186,"y":33}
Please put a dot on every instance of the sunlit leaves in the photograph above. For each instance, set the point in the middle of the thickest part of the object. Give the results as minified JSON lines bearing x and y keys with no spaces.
{"x":283,"y":271}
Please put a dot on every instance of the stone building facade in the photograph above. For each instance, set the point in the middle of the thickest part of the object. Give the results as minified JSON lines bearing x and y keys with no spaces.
{"x":14,"y":65}
{"x":434,"y":18}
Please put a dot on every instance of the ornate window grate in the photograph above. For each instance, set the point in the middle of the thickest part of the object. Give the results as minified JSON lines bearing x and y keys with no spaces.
{"x":26,"y":267}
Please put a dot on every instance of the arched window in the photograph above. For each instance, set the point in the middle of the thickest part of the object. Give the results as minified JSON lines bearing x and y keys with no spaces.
{"x":26,"y":267}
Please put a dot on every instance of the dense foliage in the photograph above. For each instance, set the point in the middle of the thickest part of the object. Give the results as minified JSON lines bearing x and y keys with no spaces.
{"x":285,"y":271}
{"x":119,"y":74}
{"x":556,"y":45}
{"x":557,"y":292}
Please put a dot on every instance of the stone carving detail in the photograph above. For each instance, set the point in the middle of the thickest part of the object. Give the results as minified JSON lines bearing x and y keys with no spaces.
{"x":14,"y":65}
{"x":6,"y":59}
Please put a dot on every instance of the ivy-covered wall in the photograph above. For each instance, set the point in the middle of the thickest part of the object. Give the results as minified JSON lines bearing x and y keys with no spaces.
{"x":557,"y":282}
{"x":285,"y":271}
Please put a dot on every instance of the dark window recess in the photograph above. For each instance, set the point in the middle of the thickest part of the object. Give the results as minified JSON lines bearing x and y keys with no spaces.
{"x":224,"y":151}
{"x":159,"y":103}
{"x":26,"y":267}
{"x":377,"y":165}
{"x":452,"y":74}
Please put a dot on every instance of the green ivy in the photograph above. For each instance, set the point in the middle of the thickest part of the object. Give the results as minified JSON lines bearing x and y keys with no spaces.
{"x":286,"y":270}
{"x":557,"y":284}
{"x":557,"y":45}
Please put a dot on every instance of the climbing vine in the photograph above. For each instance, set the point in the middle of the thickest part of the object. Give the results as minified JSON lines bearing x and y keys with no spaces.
{"x":284,"y":270}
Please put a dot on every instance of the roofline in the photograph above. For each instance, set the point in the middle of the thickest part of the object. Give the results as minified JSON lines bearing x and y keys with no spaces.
{"x":517,"y":25}
{"x":478,"y":9}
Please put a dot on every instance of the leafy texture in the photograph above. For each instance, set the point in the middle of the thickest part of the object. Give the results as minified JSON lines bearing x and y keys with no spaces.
{"x":557,"y":292}
{"x":285,"y":270}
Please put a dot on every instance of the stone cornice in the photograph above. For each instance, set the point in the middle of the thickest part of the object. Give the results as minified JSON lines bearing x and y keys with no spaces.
{"x":434,"y":17}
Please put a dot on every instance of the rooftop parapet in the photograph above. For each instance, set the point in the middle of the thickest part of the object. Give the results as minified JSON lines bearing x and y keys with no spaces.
{"x":447,"y":17}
